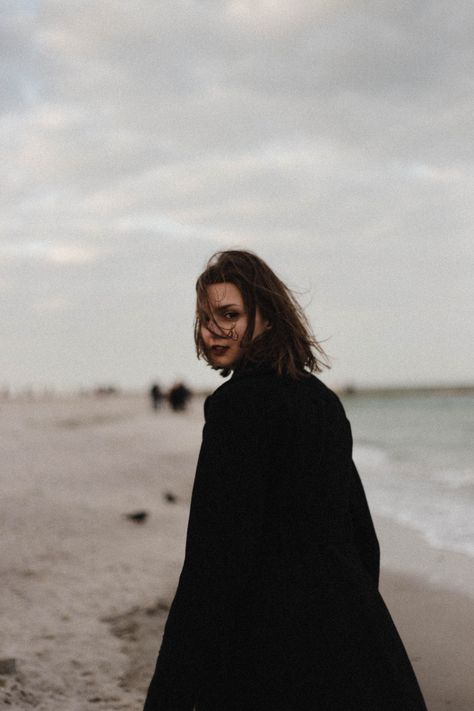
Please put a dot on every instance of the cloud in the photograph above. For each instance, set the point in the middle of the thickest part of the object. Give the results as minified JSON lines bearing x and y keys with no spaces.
{"x":45,"y":251}
{"x":335,"y":138}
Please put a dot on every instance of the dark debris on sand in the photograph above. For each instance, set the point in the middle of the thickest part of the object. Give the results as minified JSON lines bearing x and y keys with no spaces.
{"x":140,"y":631}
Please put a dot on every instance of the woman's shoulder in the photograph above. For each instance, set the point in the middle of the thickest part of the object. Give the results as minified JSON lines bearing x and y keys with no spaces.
{"x":251,"y":395}
{"x":262,"y":392}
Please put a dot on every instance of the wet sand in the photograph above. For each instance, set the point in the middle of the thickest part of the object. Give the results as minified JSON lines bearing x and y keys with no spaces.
{"x":437,"y":629}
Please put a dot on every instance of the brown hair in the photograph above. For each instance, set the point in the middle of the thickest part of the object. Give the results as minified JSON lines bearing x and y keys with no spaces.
{"x":289,"y":346}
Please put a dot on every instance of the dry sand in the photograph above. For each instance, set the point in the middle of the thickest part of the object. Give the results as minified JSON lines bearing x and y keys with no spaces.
{"x":85,"y":592}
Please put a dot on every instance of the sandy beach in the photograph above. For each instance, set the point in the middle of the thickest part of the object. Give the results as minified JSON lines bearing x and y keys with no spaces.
{"x":85,"y":590}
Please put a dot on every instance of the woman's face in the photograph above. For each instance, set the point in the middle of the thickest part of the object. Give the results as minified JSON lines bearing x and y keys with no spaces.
{"x":223,"y":328}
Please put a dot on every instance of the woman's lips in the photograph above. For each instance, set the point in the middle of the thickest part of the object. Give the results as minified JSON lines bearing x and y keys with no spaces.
{"x":219,"y":350}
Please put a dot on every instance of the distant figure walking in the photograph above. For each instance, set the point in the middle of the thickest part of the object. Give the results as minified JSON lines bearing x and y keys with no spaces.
{"x":156,"y":396}
{"x":178,"y":396}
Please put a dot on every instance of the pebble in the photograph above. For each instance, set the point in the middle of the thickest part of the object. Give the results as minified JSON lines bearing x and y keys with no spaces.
{"x":7,"y":665}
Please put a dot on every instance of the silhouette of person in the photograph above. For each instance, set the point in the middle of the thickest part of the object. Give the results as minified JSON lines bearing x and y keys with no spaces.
{"x":179,"y":396}
{"x":156,"y":396}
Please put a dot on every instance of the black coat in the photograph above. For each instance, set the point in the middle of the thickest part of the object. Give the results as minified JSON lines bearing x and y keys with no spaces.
{"x":277,"y":605}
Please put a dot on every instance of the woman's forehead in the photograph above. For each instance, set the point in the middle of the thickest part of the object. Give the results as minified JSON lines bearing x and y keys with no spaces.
{"x":224,"y":294}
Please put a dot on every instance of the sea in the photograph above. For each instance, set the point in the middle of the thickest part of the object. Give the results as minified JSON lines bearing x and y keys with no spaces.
{"x":415,"y":455}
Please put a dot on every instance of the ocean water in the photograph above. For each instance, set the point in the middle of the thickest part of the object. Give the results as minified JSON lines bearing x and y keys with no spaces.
{"x":415,"y":455}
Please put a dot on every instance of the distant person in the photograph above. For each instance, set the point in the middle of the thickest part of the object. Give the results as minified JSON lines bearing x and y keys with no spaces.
{"x":277,"y":606}
{"x":179,"y":396}
{"x":156,"y":396}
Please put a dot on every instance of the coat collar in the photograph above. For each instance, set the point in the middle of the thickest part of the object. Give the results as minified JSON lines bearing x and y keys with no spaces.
{"x":243,"y":370}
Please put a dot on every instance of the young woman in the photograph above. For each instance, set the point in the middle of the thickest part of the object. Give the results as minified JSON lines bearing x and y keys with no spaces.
{"x":277,"y":605}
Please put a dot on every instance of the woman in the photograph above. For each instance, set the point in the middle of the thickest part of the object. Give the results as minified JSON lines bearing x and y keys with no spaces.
{"x":277,"y":604}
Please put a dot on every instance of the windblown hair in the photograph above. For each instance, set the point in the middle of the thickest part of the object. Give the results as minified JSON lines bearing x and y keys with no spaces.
{"x":289,"y":346}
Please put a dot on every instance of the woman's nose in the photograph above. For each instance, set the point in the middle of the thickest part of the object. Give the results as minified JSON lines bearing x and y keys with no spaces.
{"x":211,"y":328}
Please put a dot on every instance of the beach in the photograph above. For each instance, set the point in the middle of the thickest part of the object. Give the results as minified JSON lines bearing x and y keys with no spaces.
{"x":86,"y":590}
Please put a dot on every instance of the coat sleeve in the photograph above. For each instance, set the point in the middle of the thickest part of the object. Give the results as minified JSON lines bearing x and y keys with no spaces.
{"x":222,"y":552}
{"x":363,"y":528}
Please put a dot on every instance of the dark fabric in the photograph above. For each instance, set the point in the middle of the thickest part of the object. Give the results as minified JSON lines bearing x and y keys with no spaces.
{"x":277,"y":605}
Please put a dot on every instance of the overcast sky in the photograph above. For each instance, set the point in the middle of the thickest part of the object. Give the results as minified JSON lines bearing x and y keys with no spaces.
{"x":334,"y":138}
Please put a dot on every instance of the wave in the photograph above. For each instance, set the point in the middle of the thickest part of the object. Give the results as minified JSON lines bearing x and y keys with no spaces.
{"x":436,"y":502}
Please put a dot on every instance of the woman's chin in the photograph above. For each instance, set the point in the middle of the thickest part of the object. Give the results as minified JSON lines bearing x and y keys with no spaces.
{"x":221,"y":361}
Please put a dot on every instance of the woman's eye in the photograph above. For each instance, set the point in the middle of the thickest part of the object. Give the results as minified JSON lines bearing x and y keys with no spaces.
{"x":231,"y":315}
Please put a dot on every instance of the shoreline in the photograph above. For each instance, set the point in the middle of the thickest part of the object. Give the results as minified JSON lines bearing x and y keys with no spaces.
{"x":85,"y":591}
{"x":405,"y":550}
{"x":436,"y":627}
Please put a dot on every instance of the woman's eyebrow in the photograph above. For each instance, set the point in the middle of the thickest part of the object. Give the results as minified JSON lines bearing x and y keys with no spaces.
{"x":226,"y":306}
